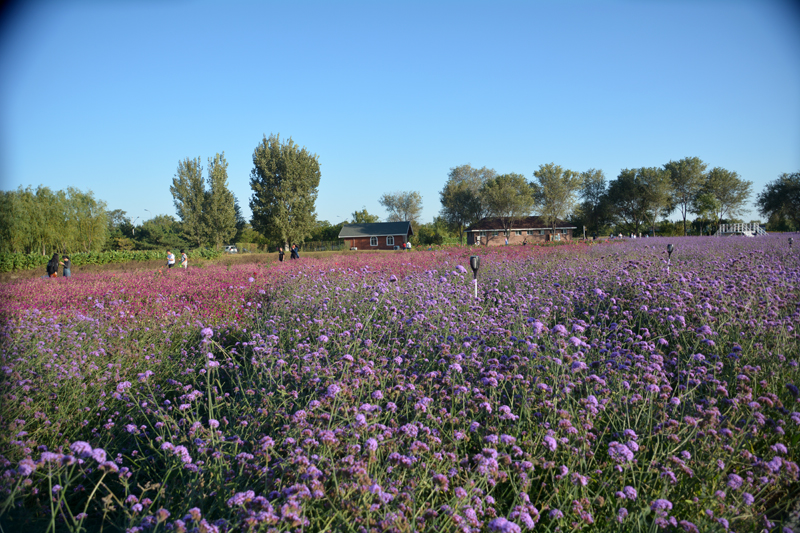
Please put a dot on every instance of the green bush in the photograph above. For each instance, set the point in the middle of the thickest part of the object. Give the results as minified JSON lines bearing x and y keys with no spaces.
{"x":10,"y":262}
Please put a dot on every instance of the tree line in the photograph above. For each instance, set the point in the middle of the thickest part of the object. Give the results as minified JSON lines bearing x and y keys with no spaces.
{"x":285,"y":179}
{"x":632,"y":202}
{"x":45,"y":221}
{"x":71,"y":221}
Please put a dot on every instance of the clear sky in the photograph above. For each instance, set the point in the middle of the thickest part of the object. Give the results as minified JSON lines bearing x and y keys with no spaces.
{"x":109,"y":96}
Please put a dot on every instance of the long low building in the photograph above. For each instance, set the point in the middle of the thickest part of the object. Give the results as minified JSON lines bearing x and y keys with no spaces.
{"x":526,"y":230}
{"x":376,"y":236}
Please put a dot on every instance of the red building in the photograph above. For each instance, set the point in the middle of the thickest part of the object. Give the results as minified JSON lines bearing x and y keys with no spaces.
{"x":526,"y":230}
{"x":376,"y":236}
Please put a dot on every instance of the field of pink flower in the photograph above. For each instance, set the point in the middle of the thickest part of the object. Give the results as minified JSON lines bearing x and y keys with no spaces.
{"x":584,"y":389}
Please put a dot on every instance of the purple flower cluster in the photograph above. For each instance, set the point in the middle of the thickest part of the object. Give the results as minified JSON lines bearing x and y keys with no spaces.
{"x":383,"y":396}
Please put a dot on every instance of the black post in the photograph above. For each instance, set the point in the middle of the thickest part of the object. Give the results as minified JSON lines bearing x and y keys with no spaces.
{"x":670,"y":248}
{"x":475,"y":264}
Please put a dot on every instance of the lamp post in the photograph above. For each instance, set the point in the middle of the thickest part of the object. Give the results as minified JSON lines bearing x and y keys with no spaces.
{"x":670,"y":248}
{"x":133,"y":226}
{"x":475,"y":264}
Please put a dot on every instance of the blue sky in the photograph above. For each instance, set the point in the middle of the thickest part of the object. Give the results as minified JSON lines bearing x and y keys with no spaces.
{"x":109,"y":96}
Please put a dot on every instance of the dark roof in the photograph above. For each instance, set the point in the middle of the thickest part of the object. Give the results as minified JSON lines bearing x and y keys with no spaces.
{"x":496,"y":223}
{"x":377,"y":229}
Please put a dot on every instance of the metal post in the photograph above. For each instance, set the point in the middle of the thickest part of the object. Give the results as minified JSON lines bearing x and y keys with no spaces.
{"x":475,"y":264}
{"x":670,"y":248}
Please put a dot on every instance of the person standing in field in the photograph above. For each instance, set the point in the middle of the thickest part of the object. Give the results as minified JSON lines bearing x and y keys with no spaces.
{"x":295,"y":252}
{"x":280,"y":254}
{"x":52,"y":266}
{"x":184,"y":260}
{"x":67,"y":264}
{"x":170,"y":259}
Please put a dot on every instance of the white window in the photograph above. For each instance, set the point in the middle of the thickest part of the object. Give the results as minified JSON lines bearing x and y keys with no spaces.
{"x":518,"y":232}
{"x":564,"y":231}
{"x":529,"y":232}
{"x":541,"y":232}
{"x":373,"y":241}
{"x":390,"y":240}
{"x":495,"y":233}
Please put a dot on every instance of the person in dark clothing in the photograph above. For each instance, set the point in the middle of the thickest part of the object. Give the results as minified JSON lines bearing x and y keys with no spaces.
{"x":280,"y":254}
{"x":67,"y":264}
{"x":295,"y":252}
{"x":52,"y":266}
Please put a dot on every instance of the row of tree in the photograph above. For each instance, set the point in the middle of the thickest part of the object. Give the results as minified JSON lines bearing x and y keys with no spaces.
{"x":209,"y":214}
{"x":635,"y":200}
{"x":285,"y":180}
{"x":43,"y":221}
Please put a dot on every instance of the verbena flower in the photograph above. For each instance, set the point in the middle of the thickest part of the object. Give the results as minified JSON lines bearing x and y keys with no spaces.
{"x":504,"y":526}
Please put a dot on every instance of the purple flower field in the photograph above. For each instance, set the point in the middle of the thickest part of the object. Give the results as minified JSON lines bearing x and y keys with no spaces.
{"x":584,"y":389}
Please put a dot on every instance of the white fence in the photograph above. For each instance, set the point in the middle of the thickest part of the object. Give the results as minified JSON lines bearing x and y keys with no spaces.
{"x":750,"y":229}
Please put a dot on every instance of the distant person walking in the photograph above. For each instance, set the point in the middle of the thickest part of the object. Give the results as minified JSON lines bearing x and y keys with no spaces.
{"x":506,"y":241}
{"x":170,"y":259}
{"x":295,"y":252}
{"x":67,"y":264}
{"x":184,"y":260}
{"x":280,"y":254}
{"x":408,"y":246}
{"x":52,"y":266}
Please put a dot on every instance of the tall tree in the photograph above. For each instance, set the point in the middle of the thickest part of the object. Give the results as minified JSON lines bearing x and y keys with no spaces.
{"x":705,"y":206}
{"x":160,"y":232}
{"x":509,"y":197}
{"x":219,"y":208}
{"x":188,"y":192}
{"x":593,"y":193}
{"x":118,"y":221}
{"x":781,"y":198}
{"x":462,"y":203}
{"x":285,"y":182}
{"x":402,"y":206}
{"x":44,"y":219}
{"x":363,"y":217}
{"x":120,"y":231}
{"x":730,"y":191}
{"x":555,"y":191}
{"x":637,"y":196}
{"x":241,"y":223}
{"x":687,"y":177}
{"x":658,"y":190}
{"x":87,"y":220}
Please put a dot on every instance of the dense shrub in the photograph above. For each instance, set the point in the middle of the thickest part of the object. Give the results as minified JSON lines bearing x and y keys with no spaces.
{"x":10,"y":262}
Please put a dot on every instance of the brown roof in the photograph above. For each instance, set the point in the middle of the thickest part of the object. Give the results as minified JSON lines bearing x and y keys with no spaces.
{"x":496,"y":223}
